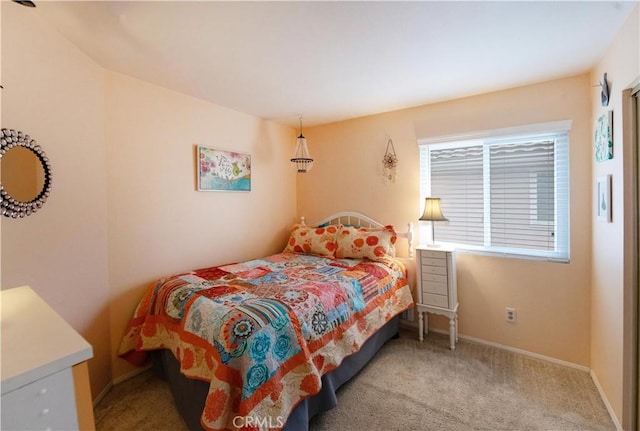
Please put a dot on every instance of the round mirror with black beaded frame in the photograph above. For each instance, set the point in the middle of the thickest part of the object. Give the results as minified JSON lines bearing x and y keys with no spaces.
{"x":12,"y":207}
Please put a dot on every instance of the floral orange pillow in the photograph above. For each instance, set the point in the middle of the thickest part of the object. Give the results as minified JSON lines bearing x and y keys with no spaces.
{"x":313,"y":240}
{"x":373,"y":244}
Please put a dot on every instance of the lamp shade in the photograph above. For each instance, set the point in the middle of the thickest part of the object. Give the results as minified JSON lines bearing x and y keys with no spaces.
{"x":432,"y":210}
{"x":301,"y":157}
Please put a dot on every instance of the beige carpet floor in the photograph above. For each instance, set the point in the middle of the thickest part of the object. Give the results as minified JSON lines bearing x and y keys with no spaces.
{"x":412,"y":386}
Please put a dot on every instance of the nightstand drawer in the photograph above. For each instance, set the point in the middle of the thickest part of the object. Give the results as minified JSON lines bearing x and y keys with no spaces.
{"x":436,"y":300}
{"x":426,"y":277}
{"x":432,"y":261}
{"x":433,"y":287}
{"x":434,"y":254}
{"x":442,"y":270}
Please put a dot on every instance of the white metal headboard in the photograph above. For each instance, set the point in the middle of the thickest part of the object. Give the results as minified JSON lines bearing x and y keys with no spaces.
{"x":356,"y":219}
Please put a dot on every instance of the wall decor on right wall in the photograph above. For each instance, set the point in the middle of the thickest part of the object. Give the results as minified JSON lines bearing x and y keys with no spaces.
{"x":603,"y":138}
{"x":603,"y":193}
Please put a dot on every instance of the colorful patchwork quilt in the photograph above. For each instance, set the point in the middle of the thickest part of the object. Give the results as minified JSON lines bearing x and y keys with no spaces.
{"x":263,"y":332}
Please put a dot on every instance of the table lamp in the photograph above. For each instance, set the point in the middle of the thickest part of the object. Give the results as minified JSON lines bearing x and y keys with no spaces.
{"x":433,"y":213}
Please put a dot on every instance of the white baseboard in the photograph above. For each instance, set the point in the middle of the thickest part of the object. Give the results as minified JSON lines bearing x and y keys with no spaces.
{"x":408,"y":324}
{"x":101,"y":395}
{"x":526,"y":353}
{"x":615,"y":420}
{"x":413,"y":325}
{"x":131,"y":374}
{"x":119,"y":380}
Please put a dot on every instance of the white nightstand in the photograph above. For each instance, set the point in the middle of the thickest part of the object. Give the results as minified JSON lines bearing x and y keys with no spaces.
{"x":437,"y":289}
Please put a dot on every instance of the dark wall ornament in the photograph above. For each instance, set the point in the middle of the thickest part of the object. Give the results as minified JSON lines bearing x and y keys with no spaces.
{"x":604,"y":92}
{"x":12,"y":204}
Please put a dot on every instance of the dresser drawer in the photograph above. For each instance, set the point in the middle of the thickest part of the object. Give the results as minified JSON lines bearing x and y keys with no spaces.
{"x":433,"y":254}
{"x":442,"y":270}
{"x":438,"y":278}
{"x":435,"y":300}
{"x":432,"y":261}
{"x":434,"y":287}
{"x":48,"y":403}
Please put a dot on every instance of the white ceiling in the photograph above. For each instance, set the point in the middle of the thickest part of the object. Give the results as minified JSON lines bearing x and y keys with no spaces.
{"x":331,"y":61}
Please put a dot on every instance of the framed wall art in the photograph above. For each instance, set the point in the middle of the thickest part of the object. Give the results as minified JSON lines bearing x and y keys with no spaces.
{"x":603,"y":190}
{"x":220,"y":170}
{"x":603,"y":138}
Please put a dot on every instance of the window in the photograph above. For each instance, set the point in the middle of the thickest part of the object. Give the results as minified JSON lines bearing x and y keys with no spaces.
{"x":502,"y":192}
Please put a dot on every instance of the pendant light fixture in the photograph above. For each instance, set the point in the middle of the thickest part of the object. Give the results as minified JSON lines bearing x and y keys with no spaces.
{"x":301,"y":157}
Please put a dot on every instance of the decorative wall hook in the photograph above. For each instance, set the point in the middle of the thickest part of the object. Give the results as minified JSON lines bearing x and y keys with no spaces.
{"x":27,"y":3}
{"x":390,"y":162}
{"x":604,"y":93}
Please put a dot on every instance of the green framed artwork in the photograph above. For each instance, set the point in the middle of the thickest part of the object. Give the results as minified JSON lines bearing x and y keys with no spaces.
{"x":220,"y":170}
{"x":604,"y":137}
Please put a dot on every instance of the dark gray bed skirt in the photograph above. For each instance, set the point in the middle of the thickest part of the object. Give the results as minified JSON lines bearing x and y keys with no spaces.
{"x":190,"y":395}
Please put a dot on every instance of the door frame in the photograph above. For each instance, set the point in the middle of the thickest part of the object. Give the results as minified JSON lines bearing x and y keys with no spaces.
{"x":631,"y":252}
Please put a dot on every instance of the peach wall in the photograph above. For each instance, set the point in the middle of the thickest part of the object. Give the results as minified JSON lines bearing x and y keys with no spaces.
{"x":54,"y":92}
{"x":551,"y":299}
{"x":1,"y":41}
{"x":622,"y":64}
{"x":158,"y":223}
{"x":124,"y":210}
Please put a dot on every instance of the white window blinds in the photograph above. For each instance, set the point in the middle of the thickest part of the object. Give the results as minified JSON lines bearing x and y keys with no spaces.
{"x":506,"y":195}
{"x":456,"y":178}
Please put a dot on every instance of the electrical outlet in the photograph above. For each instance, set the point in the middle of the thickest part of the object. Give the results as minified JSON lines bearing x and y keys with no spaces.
{"x":510,"y":314}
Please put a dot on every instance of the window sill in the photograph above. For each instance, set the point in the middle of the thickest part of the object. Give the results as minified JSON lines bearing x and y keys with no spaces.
{"x":542,"y":257}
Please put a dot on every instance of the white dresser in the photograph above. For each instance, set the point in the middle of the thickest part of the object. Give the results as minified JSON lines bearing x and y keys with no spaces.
{"x":437,"y":288}
{"x":44,"y":373}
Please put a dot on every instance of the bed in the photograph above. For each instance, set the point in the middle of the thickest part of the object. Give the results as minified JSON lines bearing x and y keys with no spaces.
{"x":264,"y":344}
